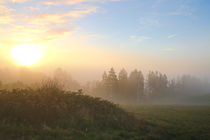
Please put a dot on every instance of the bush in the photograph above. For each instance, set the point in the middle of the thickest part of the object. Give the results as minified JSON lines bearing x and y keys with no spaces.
{"x":50,"y":107}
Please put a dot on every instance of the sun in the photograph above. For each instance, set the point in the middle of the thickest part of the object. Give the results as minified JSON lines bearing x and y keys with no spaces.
{"x":27,"y":54}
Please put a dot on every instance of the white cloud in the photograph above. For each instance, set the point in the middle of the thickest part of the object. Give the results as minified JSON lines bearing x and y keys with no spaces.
{"x":45,"y":26}
{"x":183,"y":10}
{"x":71,"y":2}
{"x":40,"y":23}
{"x":6,"y":15}
{"x":172,"y":36}
{"x":13,"y":1}
{"x":149,"y":21}
{"x":59,"y":18}
{"x":139,"y":38}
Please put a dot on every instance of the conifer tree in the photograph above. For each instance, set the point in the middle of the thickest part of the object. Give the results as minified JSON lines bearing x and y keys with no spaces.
{"x":123,"y":84}
{"x":112,"y":83}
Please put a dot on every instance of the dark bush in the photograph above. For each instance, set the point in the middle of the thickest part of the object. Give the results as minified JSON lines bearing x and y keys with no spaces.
{"x":51,"y":107}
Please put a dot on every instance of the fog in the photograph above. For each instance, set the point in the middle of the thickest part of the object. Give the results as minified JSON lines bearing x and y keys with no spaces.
{"x":122,"y":86}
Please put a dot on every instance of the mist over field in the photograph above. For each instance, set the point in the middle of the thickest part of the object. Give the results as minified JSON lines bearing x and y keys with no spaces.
{"x":104,"y":70}
{"x":121,"y":87}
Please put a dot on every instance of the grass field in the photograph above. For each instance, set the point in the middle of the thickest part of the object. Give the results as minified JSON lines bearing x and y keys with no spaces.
{"x":54,"y":114}
{"x":163,"y":122}
{"x":175,"y":121}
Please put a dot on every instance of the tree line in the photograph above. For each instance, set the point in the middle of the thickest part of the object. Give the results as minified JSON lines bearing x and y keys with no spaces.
{"x":135,"y":87}
{"x":24,"y":78}
{"x":132,"y":87}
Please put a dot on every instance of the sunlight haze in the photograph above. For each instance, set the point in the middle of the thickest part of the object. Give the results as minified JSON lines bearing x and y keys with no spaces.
{"x":104,"y":69}
{"x":27,"y":54}
{"x":87,"y":37}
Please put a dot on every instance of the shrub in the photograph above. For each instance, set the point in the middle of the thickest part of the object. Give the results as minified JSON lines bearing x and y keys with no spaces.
{"x":51,"y":107}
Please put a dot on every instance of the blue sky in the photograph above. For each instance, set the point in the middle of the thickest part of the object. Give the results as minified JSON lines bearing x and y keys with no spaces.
{"x":165,"y":35}
{"x":152,"y":22}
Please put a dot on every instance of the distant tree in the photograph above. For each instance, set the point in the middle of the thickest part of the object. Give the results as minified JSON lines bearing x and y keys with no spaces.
{"x":104,"y":79}
{"x":190,"y":85}
{"x":123,"y":75}
{"x":136,"y":85}
{"x":123,"y":84}
{"x":134,"y":88}
{"x":163,"y":83}
{"x":172,"y":87}
{"x":65,"y":79}
{"x":112,"y":83}
{"x":157,"y":84}
{"x":101,"y":87}
{"x":140,"y":89}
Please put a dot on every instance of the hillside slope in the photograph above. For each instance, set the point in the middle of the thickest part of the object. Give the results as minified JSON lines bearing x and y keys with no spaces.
{"x":50,"y":113}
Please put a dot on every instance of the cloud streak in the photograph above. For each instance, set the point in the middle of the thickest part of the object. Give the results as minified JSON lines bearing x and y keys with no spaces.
{"x":149,"y":21}
{"x":71,"y":2}
{"x":38,"y":27}
{"x":6,"y":16}
{"x":172,"y":36}
{"x":13,"y":1}
{"x":57,"y":18}
{"x":140,"y":39}
{"x":183,"y":10}
{"x":41,"y":24}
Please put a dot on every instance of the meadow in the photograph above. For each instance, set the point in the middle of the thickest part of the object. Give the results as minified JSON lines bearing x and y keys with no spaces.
{"x":175,"y":121}
{"x":49,"y":113}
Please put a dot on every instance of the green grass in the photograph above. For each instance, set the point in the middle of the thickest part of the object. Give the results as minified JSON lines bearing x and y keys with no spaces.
{"x":175,"y":121}
{"x":52,"y":114}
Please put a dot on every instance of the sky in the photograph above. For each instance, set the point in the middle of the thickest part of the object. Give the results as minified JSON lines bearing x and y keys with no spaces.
{"x":87,"y":37}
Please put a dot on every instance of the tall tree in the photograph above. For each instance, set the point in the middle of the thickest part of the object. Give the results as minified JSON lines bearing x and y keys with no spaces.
{"x":112,"y":83}
{"x":140,"y":89}
{"x":157,"y":84}
{"x":123,"y":75}
{"x":104,"y":84}
{"x":136,"y":85}
{"x":123,"y":84}
{"x":104,"y":79}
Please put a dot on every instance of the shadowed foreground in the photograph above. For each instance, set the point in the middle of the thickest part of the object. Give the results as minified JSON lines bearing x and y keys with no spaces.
{"x":50,"y":113}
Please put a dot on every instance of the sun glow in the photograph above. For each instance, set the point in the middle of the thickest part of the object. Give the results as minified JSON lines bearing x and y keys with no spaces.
{"x":27,"y":54}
